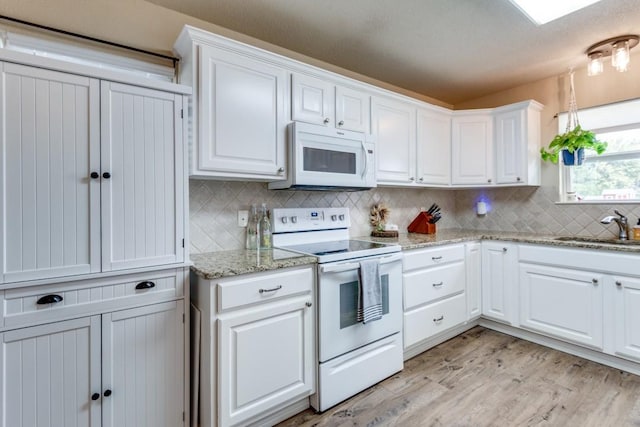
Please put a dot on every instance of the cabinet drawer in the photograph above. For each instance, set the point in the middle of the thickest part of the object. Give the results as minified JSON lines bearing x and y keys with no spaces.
{"x":428,"y":321}
{"x":424,"y":286}
{"x":431,"y":257}
{"x":263,"y":287}
{"x":20,"y":305}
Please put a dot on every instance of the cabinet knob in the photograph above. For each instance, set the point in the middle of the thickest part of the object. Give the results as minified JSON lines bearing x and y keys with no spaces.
{"x":618,"y":283}
{"x":518,"y":179}
{"x":594,"y":281}
{"x":107,"y":393}
{"x":49,"y":299}
{"x":421,"y":179}
{"x":280,"y":170}
{"x":308,"y":304}
{"x":95,"y":175}
{"x":412,"y":179}
{"x":341,"y":123}
{"x":326,"y":121}
{"x":106,"y":175}
{"x":504,"y":249}
{"x":95,"y":396}
{"x":145,"y":285}
{"x":489,"y":180}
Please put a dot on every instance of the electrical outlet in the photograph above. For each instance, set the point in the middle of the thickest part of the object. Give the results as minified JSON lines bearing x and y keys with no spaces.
{"x":243,"y":218}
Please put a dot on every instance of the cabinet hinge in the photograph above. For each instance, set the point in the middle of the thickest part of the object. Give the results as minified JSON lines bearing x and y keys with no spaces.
{"x":183,"y":243}
{"x":182,"y":415}
{"x":182,"y":317}
{"x":181,"y":113}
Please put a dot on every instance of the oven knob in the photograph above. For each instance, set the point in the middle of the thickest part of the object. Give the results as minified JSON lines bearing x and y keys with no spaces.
{"x":284,"y":219}
{"x":294,"y":219}
{"x":334,"y":217}
{"x":341,"y":217}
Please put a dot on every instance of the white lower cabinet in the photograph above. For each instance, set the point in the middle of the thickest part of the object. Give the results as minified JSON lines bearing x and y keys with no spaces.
{"x":473,"y":270}
{"x":258,"y":348}
{"x":124,"y":368}
{"x":500,"y":281}
{"x":626,"y":316}
{"x":266,"y":358}
{"x":434,"y":298}
{"x":562,"y":302}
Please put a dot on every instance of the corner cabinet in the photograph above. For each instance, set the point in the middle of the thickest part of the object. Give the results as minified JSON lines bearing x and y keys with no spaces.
{"x":238,"y":109}
{"x":517,"y":143}
{"x":94,"y":176}
{"x":472,"y":148}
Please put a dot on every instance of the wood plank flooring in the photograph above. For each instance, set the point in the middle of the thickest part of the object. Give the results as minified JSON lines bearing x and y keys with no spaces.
{"x":485,"y":378}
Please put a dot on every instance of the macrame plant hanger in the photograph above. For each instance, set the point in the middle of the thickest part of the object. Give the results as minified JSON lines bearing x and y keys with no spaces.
{"x":572,"y":115}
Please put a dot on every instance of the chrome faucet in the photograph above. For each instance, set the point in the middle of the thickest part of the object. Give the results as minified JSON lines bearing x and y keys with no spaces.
{"x":622,"y":224}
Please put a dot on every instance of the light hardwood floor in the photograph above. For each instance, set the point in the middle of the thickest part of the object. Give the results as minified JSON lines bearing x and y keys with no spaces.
{"x":485,"y":378}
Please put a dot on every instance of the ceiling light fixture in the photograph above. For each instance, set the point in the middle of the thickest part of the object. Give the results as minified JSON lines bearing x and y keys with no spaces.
{"x":617,"y":47}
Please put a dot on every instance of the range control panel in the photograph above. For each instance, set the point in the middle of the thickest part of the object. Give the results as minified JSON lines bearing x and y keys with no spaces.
{"x":309,"y":219}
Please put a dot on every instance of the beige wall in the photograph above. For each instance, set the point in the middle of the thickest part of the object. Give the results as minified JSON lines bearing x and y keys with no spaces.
{"x":148,"y":26}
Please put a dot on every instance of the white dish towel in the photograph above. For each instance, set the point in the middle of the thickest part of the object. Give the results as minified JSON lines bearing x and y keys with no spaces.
{"x":369,"y":292}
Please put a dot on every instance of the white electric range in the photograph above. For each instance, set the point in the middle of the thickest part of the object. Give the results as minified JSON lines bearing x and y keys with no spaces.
{"x":352,"y":355}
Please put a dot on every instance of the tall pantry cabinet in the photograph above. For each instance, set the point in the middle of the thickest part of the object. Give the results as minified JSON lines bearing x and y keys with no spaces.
{"x":92,"y":274}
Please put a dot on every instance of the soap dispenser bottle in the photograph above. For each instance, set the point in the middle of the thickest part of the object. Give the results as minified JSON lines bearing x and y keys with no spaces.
{"x":635,"y":232}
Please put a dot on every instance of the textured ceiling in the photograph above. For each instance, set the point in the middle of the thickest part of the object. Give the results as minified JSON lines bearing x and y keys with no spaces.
{"x":451,"y":50}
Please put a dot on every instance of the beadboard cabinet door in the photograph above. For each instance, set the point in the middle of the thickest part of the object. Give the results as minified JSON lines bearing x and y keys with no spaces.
{"x":143,"y":366}
{"x":142,"y":167}
{"x":49,"y":374}
{"x":49,"y":145}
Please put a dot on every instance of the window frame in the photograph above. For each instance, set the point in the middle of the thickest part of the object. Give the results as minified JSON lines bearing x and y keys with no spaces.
{"x":603,"y":118}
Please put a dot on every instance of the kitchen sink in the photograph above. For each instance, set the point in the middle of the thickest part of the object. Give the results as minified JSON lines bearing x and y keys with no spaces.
{"x":597,"y":240}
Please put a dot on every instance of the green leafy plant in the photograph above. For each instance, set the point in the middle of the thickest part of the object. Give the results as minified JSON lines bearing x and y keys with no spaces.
{"x":571,"y":141}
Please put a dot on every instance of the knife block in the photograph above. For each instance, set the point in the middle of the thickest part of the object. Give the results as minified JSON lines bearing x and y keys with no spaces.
{"x":422,"y":225}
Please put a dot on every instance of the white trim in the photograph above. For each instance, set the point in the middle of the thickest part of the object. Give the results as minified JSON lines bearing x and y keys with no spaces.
{"x":605,"y":117}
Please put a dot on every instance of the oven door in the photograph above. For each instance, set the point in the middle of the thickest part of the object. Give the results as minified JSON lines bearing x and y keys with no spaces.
{"x":339,"y":332}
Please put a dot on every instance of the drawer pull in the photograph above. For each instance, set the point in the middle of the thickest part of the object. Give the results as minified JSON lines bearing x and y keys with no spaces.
{"x":436,"y":258}
{"x":594,"y":281}
{"x":439,"y":319}
{"x":95,"y":396}
{"x":107,"y":393}
{"x":145,"y":285}
{"x":49,"y":299}
{"x":437,"y":285}
{"x":277,"y":288}
{"x":308,"y":304}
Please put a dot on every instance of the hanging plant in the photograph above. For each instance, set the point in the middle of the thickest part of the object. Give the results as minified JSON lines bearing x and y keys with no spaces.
{"x":574,"y":140}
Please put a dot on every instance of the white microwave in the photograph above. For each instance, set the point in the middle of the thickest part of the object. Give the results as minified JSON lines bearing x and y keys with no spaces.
{"x":322,"y":158}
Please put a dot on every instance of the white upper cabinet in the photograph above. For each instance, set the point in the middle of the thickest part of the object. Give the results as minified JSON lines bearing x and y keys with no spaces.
{"x":93,"y":181}
{"x":50,"y":143}
{"x":433,"y":147}
{"x":142,"y":198}
{"x":394,"y":129}
{"x":472,"y":148}
{"x":319,"y":101}
{"x":517,"y":139}
{"x":238,"y":110}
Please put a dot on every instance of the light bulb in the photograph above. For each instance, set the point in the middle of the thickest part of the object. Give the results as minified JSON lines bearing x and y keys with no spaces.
{"x":595,"y":66}
{"x":620,"y":55}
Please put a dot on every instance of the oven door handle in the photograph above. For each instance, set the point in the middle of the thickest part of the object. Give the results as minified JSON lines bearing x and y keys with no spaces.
{"x":338,"y":268}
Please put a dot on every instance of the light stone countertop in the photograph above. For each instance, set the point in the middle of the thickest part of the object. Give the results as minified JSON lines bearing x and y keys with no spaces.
{"x":215,"y":265}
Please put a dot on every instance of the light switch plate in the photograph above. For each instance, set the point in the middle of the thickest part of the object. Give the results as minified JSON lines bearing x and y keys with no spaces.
{"x":243,"y":218}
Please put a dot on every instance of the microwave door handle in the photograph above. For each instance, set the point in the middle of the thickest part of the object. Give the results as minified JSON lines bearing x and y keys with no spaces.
{"x":366,"y":160}
{"x":338,"y":268}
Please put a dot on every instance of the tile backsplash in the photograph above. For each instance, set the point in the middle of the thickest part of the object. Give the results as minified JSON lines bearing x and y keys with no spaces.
{"x":214,"y":207}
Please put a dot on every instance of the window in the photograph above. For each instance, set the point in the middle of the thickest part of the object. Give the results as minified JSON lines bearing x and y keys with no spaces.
{"x":613,"y":176}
